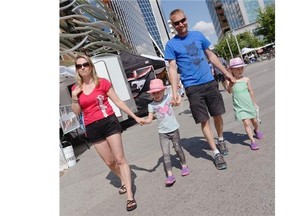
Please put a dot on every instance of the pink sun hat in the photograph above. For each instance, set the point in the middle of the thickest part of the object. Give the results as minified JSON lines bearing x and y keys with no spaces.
{"x":236,"y":63}
{"x":156,"y":85}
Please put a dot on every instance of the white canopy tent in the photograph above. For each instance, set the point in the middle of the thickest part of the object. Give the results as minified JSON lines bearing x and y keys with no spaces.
{"x":266,"y":45}
{"x":246,"y":50}
{"x":65,"y":73}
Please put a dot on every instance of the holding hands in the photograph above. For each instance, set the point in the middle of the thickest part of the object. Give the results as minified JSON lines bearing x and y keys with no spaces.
{"x":140,"y":121}
{"x":176,"y":100}
{"x":231,"y":79}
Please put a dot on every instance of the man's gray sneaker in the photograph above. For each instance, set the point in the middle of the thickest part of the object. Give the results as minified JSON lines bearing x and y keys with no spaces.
{"x":221,"y":146}
{"x":219,"y":162}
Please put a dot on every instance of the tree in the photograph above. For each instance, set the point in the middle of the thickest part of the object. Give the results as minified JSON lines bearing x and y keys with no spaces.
{"x":246,"y":39}
{"x":266,"y":20}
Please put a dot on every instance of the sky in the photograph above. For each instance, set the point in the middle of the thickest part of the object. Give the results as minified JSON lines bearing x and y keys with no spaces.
{"x":197,"y":14}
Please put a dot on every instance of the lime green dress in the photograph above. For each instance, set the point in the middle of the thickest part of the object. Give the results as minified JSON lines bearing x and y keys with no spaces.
{"x":242,"y":102}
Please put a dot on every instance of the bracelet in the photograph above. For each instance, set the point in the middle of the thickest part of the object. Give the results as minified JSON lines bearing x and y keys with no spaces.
{"x":74,"y":101}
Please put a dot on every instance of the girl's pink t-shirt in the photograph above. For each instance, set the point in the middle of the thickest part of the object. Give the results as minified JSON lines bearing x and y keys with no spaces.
{"x":95,"y":106}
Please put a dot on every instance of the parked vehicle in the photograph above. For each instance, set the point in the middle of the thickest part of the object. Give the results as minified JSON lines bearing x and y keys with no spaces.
{"x":129,"y":74}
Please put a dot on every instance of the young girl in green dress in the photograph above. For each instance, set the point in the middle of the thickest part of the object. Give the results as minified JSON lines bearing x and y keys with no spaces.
{"x":244,"y":101}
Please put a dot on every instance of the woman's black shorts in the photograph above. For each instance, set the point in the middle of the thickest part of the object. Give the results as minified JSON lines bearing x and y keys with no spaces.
{"x":103,"y":128}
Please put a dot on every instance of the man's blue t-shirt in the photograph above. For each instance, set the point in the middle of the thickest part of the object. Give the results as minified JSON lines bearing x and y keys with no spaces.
{"x":190,"y":58}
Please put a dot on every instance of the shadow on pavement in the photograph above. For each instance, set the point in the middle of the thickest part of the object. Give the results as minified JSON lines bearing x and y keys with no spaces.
{"x":185,"y":112}
{"x":196,"y":146}
{"x":236,"y":138}
{"x":115,"y":181}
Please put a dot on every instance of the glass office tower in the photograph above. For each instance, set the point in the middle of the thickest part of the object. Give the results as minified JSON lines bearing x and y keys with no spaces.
{"x":134,"y":27}
{"x":155,"y":23}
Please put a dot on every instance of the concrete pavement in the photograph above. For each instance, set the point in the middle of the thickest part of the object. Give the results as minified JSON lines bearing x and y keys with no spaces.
{"x":246,"y":187}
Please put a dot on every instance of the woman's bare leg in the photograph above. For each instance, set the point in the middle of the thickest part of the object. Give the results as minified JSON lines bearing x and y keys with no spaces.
{"x":115,"y":142}
{"x":107,"y":156}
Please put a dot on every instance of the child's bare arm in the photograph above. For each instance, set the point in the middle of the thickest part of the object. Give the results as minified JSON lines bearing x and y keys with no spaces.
{"x":229,"y":86}
{"x":149,"y":118}
{"x":250,"y":89}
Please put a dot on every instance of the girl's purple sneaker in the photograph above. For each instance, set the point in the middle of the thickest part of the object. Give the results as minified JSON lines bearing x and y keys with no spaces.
{"x":258,"y":134}
{"x":254,"y":146}
{"x":170,"y":180}
{"x":185,"y":171}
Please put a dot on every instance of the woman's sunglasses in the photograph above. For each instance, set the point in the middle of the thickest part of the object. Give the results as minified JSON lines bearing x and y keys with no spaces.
{"x":180,"y":21}
{"x":79,"y":66}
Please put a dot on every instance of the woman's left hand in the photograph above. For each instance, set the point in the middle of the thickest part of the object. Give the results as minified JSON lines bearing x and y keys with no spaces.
{"x":140,"y":121}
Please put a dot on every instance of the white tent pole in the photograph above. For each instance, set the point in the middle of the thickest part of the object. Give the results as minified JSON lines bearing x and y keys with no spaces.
{"x":234,"y":34}
{"x":229,"y":48}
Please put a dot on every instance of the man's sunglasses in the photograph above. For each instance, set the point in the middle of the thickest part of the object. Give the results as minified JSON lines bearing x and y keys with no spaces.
{"x":180,"y":21}
{"x":79,"y":66}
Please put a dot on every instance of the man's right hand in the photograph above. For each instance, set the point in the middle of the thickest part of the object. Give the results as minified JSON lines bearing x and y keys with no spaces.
{"x":176,"y":100}
{"x":231,"y":79}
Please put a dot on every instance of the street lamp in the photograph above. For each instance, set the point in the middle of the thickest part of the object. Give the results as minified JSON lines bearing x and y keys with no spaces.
{"x":229,"y":47}
{"x":235,"y":36}
{"x":224,"y":52}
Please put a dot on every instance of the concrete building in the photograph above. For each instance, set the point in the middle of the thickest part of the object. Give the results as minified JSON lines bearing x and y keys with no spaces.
{"x":220,"y":22}
{"x":173,"y":32}
{"x":235,"y":15}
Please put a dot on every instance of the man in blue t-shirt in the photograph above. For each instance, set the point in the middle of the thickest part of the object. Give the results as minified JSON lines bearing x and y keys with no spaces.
{"x":186,"y":53}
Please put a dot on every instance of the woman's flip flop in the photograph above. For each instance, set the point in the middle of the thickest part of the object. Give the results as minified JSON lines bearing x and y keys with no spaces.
{"x":131,"y":205}
{"x":122,"y":189}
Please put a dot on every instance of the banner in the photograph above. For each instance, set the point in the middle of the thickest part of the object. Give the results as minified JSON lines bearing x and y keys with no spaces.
{"x":68,"y":120}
